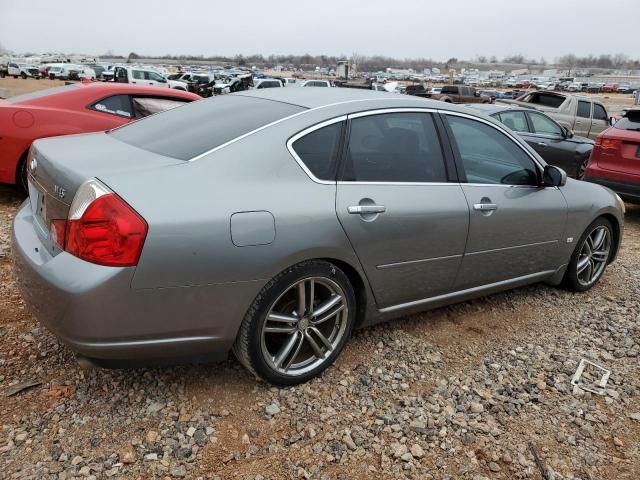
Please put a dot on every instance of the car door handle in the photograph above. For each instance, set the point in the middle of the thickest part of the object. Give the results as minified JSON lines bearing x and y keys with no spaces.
{"x":542,"y":144}
{"x":366,"y":209}
{"x":485,"y":207}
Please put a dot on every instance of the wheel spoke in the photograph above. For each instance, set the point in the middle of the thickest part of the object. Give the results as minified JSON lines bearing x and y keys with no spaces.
{"x":288,"y":330}
{"x":302,"y":302}
{"x":298,"y":346}
{"x":600,"y":255}
{"x":321,"y":337}
{"x":598,"y":239}
{"x":286,"y":349}
{"x":314,"y":345}
{"x":282,"y":318}
{"x":327,"y":305}
{"x":589,"y":275}
{"x":582,"y":265}
{"x":311,"y":297}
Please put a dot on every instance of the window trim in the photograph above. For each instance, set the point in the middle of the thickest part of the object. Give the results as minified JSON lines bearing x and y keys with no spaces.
{"x":460,"y":166}
{"x":304,"y":133}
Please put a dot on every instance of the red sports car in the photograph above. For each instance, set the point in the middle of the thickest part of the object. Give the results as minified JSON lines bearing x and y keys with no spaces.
{"x":77,"y":108}
{"x":615,"y":159}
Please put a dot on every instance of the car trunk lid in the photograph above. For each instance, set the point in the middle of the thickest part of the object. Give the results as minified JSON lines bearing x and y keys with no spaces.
{"x":58,"y":166}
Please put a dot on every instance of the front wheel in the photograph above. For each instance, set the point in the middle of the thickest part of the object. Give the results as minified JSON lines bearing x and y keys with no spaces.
{"x":582,"y":168}
{"x":591,"y":256}
{"x":298,"y":324}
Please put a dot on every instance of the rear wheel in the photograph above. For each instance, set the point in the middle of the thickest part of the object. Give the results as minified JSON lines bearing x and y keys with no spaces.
{"x":591,"y":256}
{"x":23,"y":75}
{"x":22,"y":175}
{"x":298,"y":324}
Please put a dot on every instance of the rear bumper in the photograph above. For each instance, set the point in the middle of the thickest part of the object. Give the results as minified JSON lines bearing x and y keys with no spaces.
{"x":628,"y":191}
{"x":94,"y":310}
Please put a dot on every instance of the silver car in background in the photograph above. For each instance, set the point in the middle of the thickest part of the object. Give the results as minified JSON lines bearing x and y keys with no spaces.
{"x":272,"y":223}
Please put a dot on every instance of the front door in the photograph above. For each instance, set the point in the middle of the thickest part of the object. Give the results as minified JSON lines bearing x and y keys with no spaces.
{"x":406,"y":222}
{"x":515,"y":225}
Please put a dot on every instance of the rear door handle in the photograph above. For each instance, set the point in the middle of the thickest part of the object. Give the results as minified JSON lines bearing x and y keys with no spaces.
{"x":542,"y":144}
{"x":366,"y":209}
{"x":485,"y":207}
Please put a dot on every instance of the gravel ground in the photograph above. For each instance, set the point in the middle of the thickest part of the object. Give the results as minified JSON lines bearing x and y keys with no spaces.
{"x":464,"y":392}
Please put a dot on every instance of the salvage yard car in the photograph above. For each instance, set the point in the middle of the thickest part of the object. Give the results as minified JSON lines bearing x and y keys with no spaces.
{"x":457,"y":94}
{"x":273,"y":222}
{"x":76,"y":108}
{"x":579,"y":113}
{"x":553,"y":142}
{"x":22,"y":70}
{"x":615,"y":161}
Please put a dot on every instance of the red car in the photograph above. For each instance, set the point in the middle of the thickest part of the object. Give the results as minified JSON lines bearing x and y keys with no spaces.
{"x":615,"y":159}
{"x":77,"y":108}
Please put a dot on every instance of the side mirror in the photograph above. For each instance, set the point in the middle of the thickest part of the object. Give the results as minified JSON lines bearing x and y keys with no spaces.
{"x":612,"y":121}
{"x":554,"y":176}
{"x":567,"y":132}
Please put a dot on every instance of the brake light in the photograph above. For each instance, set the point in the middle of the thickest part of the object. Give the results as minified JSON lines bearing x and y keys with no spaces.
{"x":608,"y":145}
{"x":102,"y":228}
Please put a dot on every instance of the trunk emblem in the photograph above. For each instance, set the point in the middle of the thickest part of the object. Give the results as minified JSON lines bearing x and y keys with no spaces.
{"x":59,"y":191}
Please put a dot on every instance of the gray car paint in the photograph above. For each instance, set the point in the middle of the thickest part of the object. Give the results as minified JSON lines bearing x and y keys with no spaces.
{"x":193,"y":285}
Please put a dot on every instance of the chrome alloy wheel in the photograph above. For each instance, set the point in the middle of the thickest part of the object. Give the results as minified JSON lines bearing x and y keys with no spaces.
{"x":304,"y":326}
{"x":593,"y":255}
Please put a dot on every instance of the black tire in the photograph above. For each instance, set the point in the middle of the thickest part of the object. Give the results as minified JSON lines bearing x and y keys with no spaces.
{"x":22,"y":175}
{"x":582,"y":168}
{"x":570,"y":280}
{"x":248,"y":345}
{"x":23,"y":75}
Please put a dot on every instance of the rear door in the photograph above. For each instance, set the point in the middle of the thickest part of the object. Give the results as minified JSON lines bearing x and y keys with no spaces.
{"x":515,"y":226}
{"x":582,"y":125}
{"x":398,"y":203}
{"x":599,"y":121}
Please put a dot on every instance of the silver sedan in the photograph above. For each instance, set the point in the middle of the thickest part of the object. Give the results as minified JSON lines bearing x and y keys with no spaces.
{"x":273,"y":223}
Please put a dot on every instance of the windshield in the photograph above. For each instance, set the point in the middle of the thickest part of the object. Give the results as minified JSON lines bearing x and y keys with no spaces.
{"x":198,"y":127}
{"x":631,"y":121}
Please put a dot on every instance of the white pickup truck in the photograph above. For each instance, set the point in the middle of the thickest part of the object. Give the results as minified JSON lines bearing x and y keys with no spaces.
{"x":145,"y":76}
{"x":578,"y":113}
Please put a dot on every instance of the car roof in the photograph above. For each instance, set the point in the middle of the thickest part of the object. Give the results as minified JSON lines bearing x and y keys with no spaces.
{"x":97,"y":90}
{"x":323,"y":97}
{"x":491,"y":108}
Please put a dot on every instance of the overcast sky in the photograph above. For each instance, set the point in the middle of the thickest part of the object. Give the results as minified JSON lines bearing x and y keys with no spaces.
{"x":403,"y":29}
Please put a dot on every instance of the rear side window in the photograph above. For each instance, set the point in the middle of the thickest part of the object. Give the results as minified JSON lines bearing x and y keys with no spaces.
{"x":516,"y":121}
{"x":584,"y":109}
{"x":489,"y":156}
{"x":116,"y":105}
{"x":394,"y":147}
{"x":196,"y":128}
{"x":319,"y":150}
{"x":145,"y":106}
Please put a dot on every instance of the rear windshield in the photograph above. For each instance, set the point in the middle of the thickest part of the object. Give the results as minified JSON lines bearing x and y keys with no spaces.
{"x":631,"y":121}
{"x":545,"y":99}
{"x":198,"y":127}
{"x":40,"y":94}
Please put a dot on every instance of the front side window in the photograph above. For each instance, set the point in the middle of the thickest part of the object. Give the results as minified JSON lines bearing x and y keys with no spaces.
{"x":319,"y":150}
{"x":116,"y":105}
{"x":489,"y":156}
{"x":584,"y":109}
{"x":516,"y":121}
{"x":153,"y":76}
{"x":544,"y":125}
{"x":599,"y":113}
{"x":394,"y":147}
{"x":138,"y":74}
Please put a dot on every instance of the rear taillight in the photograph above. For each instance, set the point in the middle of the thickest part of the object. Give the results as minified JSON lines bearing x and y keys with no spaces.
{"x":608,"y":145}
{"x":101,"y":228}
